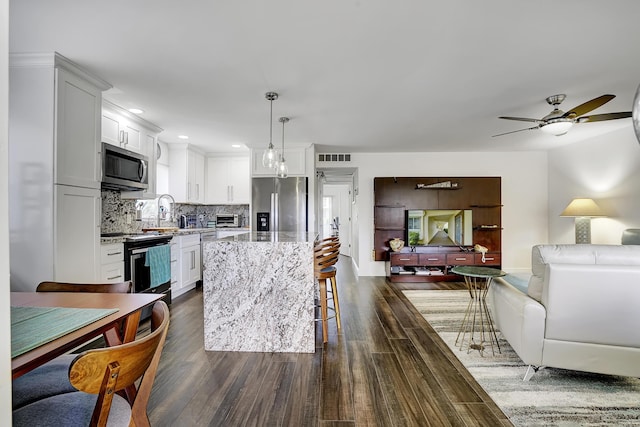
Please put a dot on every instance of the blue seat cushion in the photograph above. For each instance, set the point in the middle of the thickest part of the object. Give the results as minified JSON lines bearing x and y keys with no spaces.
{"x":47,"y":380}
{"x":70,"y":410}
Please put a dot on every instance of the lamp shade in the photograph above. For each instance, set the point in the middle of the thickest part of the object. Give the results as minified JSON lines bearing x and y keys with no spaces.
{"x":582,"y":208}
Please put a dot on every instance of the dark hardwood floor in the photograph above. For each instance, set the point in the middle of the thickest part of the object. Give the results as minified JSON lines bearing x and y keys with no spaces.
{"x":387,"y":367}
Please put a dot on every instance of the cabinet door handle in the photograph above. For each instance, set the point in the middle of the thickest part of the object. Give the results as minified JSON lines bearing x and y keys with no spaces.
{"x":126,"y":139}
{"x":432,"y":259}
{"x":404,"y":259}
{"x":489,"y":259}
{"x":193,"y":260}
{"x":121,"y":137}
{"x":114,"y":253}
{"x":119,"y":276}
{"x":461,"y":259}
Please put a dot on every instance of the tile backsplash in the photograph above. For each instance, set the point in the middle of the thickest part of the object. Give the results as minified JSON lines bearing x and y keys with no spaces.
{"x":116,"y":212}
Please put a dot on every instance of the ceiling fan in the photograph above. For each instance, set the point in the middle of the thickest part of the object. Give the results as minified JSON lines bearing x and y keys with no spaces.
{"x":558,"y":122}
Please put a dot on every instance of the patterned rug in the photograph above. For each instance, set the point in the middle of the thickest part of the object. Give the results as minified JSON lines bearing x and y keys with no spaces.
{"x":553,"y":397}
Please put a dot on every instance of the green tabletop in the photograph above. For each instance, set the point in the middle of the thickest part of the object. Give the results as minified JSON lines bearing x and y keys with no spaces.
{"x":473,"y":271}
{"x":32,"y":327}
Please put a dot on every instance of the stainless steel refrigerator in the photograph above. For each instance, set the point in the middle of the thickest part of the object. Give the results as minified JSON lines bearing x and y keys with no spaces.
{"x":279,"y":204}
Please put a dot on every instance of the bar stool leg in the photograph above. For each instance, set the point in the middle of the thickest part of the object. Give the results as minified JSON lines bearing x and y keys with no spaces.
{"x":323,"y":309}
{"x":336,"y":304}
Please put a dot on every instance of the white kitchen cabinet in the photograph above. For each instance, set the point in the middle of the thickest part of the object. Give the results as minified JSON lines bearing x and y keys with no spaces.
{"x":186,"y":174}
{"x":112,"y":263}
{"x":77,"y":234}
{"x":228,"y":180}
{"x":186,"y":269}
{"x":176,"y":283}
{"x":54,"y":170}
{"x":295,"y":158}
{"x":119,"y":128}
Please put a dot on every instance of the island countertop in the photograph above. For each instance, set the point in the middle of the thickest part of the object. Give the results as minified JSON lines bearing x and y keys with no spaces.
{"x":266,"y":236}
{"x":258,"y":291}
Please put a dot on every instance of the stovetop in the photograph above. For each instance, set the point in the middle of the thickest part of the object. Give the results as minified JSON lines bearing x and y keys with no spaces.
{"x":139,"y":237}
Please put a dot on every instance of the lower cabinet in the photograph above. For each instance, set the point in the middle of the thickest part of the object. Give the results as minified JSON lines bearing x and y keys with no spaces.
{"x":112,"y":263}
{"x":434,"y":265}
{"x":186,"y":268}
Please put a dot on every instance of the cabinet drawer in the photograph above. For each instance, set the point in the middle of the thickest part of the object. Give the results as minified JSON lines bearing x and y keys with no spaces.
{"x":433,"y":259}
{"x":460,"y":259}
{"x":489,"y":258}
{"x":112,"y":273}
{"x":189,"y":240}
{"x":112,"y":252}
{"x":404,"y":259}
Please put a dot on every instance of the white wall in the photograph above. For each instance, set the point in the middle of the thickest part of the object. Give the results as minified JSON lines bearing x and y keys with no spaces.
{"x":606,"y":169}
{"x":524,"y":196}
{"x":5,"y":322}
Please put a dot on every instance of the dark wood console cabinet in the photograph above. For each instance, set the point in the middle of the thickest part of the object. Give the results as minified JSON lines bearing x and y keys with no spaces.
{"x":432,"y":263}
{"x":393,"y":196}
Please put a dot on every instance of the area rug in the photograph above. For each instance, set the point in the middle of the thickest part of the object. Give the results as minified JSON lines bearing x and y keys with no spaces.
{"x":553,"y":397}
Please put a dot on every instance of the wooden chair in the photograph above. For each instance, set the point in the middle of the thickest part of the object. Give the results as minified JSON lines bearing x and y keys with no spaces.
{"x":104,"y":372}
{"x":52,"y":378}
{"x":119,"y":287}
{"x":326,"y":255}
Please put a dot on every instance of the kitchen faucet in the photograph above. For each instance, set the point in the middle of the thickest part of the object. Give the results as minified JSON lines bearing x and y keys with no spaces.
{"x":172,"y":207}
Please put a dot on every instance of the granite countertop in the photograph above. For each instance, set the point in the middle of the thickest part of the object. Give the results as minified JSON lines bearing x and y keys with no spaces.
{"x":267,"y":236}
{"x":211,"y":232}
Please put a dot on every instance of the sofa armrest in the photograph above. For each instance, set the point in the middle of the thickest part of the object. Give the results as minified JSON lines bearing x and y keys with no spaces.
{"x":520,"y":318}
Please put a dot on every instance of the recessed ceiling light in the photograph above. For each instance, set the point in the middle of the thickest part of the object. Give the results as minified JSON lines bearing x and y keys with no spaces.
{"x":135,"y":111}
{"x":183,"y":137}
{"x":236,"y":145}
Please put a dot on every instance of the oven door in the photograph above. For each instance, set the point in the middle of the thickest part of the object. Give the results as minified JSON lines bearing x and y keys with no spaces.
{"x":140,"y":275}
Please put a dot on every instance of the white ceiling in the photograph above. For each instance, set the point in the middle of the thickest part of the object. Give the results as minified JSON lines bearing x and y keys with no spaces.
{"x":353,"y":75}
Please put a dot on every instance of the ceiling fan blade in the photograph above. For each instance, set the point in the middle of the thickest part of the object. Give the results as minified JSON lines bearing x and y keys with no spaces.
{"x":602,"y":117}
{"x":522,"y":119}
{"x":514,"y":131}
{"x":588,"y":106}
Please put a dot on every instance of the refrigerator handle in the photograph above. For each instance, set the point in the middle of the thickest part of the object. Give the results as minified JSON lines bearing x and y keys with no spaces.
{"x":276,"y":211}
{"x":272,"y":213}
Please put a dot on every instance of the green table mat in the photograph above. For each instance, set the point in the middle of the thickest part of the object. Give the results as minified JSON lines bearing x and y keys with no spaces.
{"x":32,"y":327}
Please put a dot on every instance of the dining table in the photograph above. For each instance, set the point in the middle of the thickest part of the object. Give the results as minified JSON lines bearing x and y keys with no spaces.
{"x":113,"y":315}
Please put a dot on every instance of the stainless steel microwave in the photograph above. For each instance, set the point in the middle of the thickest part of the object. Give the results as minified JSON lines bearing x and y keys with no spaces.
{"x":123,"y":169}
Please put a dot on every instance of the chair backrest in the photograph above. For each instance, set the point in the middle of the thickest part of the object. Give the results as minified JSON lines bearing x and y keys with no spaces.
{"x":326,"y":255}
{"x":119,"y":287}
{"x":108,"y":370}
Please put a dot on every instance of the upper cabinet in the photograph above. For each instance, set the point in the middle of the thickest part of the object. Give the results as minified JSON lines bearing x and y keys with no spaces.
{"x":295,"y":158}
{"x":54,"y":170}
{"x":186,"y":174}
{"x":228,"y":180}
{"x":133,"y":133}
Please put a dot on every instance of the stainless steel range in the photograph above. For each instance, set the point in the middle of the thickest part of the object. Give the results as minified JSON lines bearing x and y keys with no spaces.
{"x":136,"y":248}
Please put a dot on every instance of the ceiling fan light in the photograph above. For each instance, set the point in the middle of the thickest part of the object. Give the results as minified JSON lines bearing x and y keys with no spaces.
{"x":557,"y":128}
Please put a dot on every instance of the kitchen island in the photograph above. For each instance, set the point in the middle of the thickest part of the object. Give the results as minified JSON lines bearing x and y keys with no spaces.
{"x":259,"y":291}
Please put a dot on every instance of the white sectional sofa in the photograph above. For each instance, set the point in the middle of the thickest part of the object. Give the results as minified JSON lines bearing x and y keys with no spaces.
{"x":580,"y":311}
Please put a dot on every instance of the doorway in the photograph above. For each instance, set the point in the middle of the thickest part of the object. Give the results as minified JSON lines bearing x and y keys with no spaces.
{"x":335,"y":202}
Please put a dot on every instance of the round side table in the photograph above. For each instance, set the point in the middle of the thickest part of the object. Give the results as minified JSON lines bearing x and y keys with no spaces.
{"x":477,"y":318}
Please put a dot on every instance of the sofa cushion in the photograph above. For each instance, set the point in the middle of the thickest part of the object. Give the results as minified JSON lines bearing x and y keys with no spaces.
{"x":541,"y":255}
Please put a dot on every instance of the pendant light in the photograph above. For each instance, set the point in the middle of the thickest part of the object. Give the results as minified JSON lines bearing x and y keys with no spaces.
{"x":270,"y":156}
{"x":282,"y":170}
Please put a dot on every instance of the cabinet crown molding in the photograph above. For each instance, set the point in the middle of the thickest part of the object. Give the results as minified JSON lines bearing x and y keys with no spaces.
{"x":108,"y":105}
{"x":54,"y":59}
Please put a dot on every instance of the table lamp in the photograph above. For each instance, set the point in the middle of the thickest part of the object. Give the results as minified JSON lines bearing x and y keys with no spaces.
{"x":583,"y":210}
